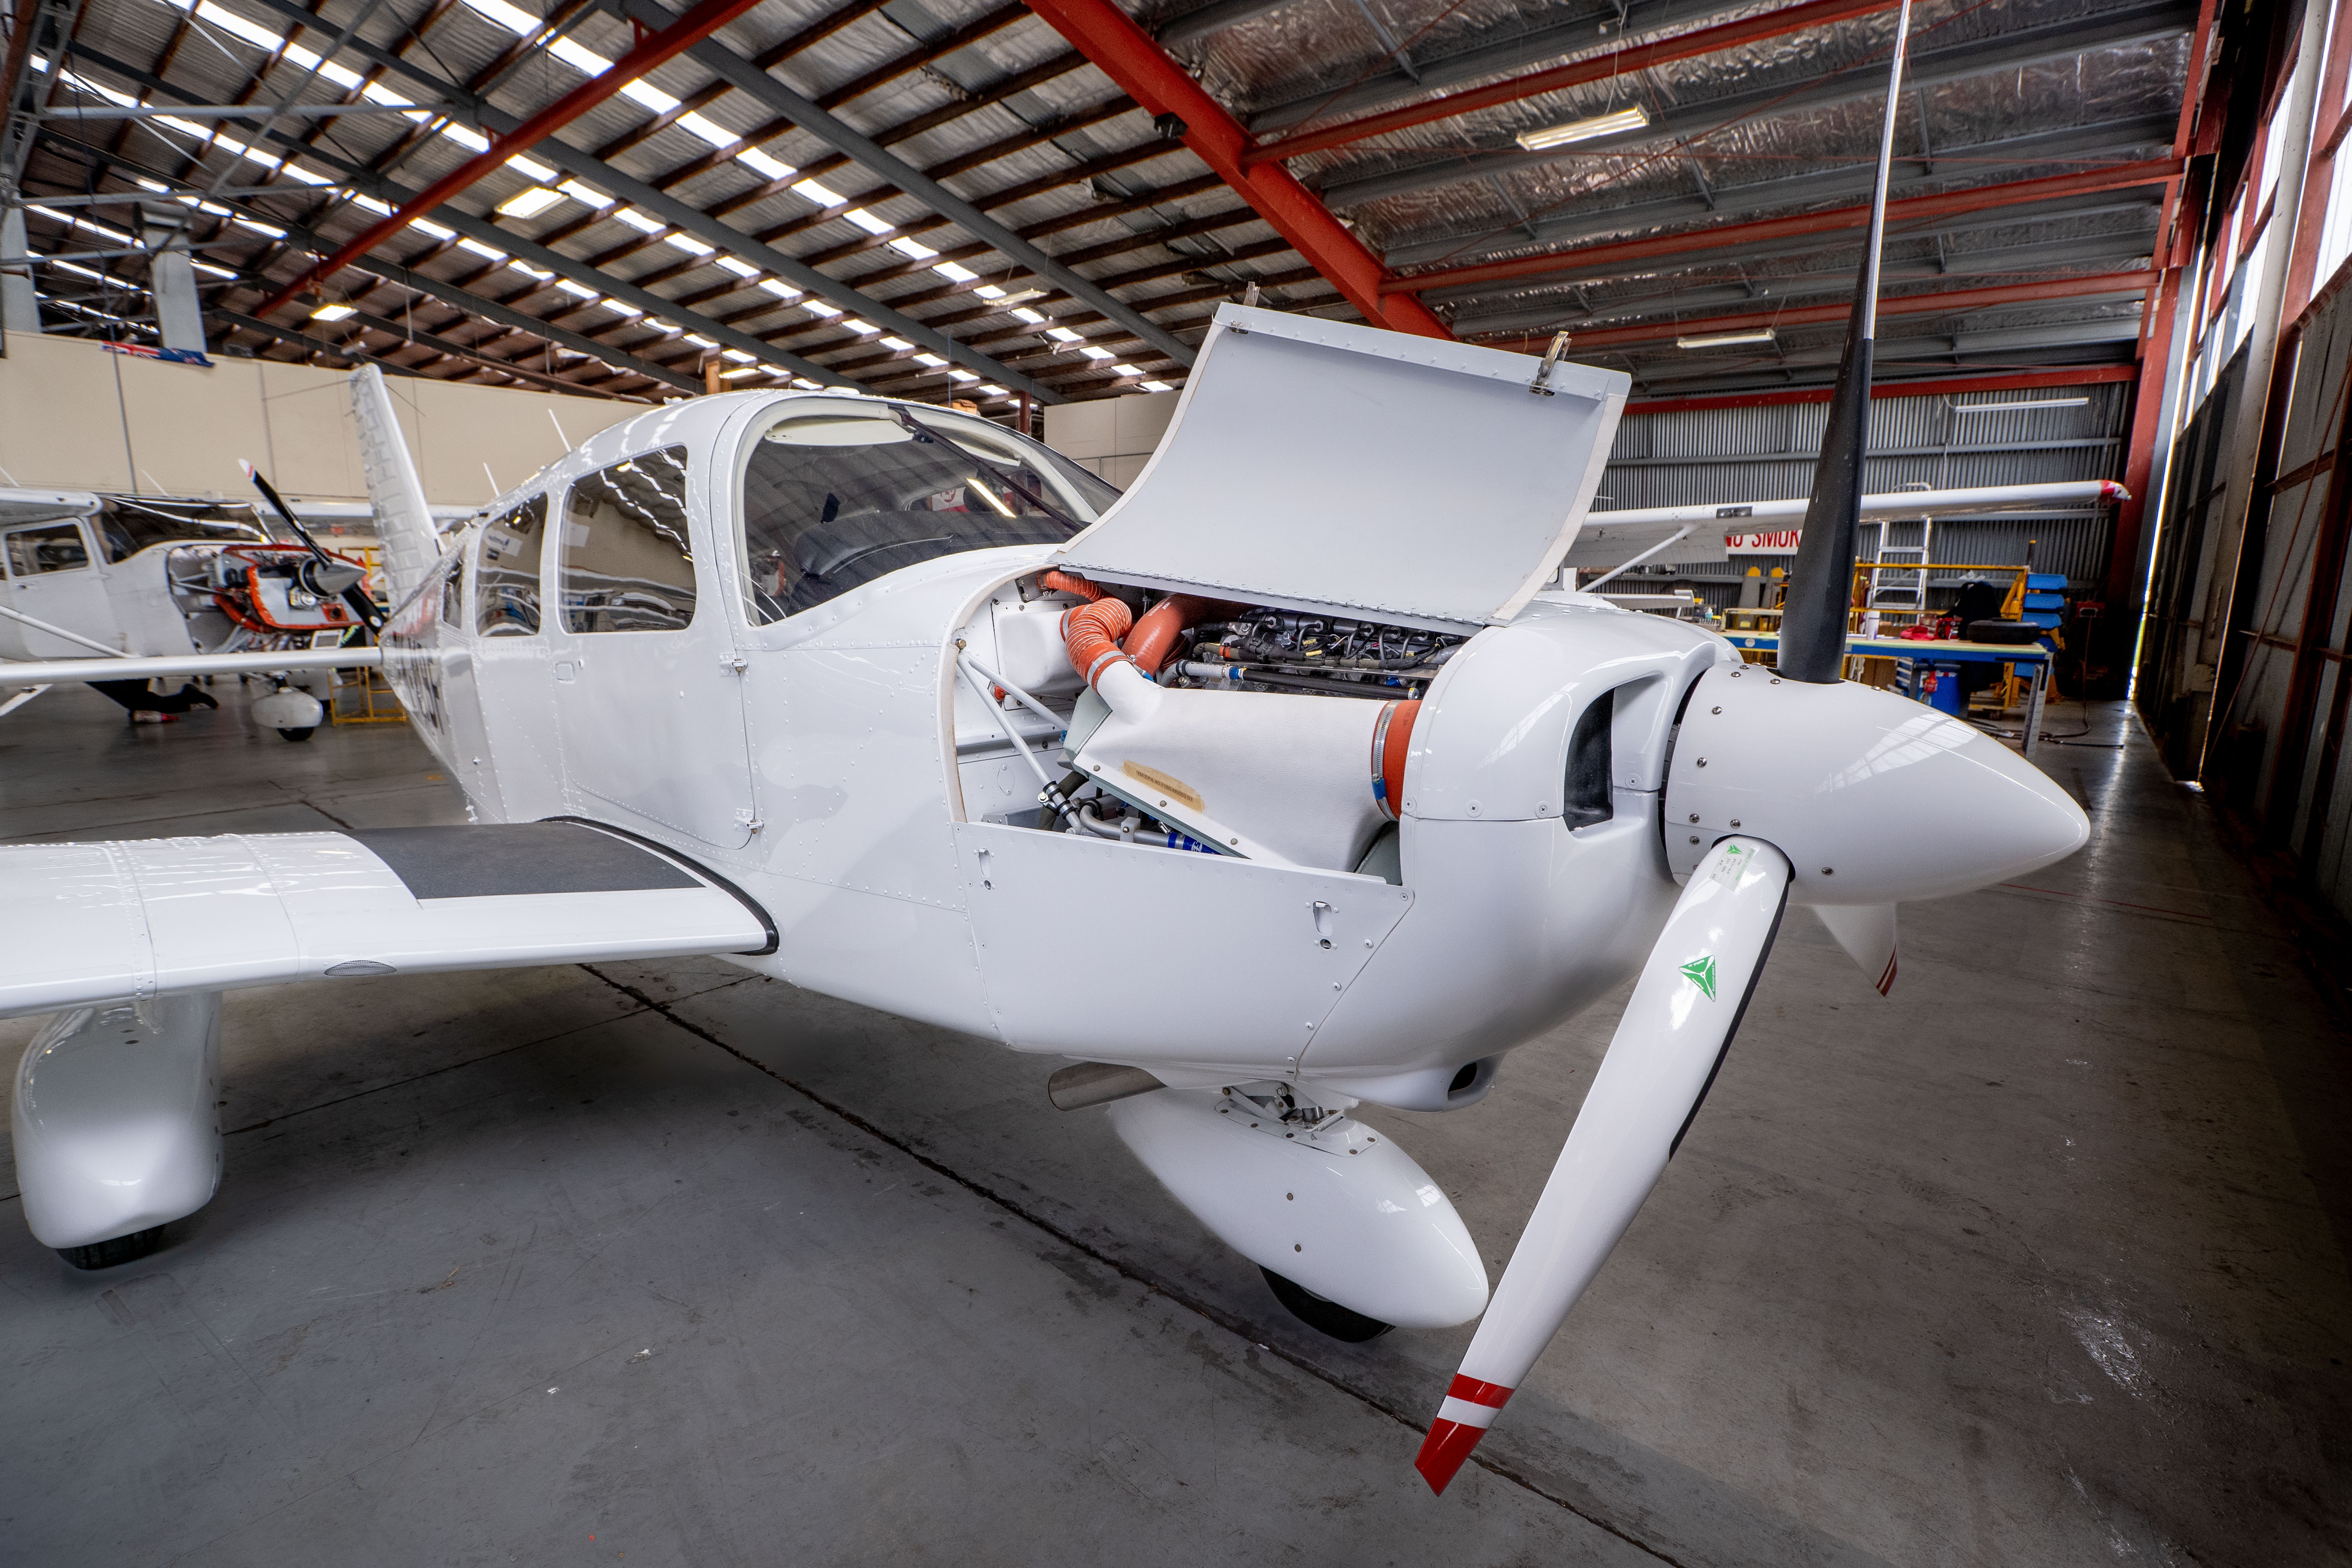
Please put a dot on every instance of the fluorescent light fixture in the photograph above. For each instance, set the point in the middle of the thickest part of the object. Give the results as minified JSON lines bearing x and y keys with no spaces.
{"x":332,"y":312}
{"x":1572,"y":130}
{"x":2029,"y":403}
{"x":1726,"y":340}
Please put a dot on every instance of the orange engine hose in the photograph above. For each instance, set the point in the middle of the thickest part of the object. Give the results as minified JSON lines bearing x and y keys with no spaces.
{"x":1091,"y":633}
{"x":1067,"y":583}
{"x":1155,"y":635}
{"x":1392,"y":743}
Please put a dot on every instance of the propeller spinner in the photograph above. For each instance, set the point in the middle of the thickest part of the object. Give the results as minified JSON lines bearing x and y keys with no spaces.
{"x":1785,"y":785}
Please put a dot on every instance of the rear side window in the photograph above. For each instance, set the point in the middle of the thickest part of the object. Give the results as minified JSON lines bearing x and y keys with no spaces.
{"x":57,"y":548}
{"x":628,"y":565}
{"x":506,"y":581}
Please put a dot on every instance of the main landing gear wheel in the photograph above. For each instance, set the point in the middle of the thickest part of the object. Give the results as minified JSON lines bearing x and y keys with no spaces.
{"x":298,"y":734}
{"x":115,"y":1249}
{"x":1324,"y":1317}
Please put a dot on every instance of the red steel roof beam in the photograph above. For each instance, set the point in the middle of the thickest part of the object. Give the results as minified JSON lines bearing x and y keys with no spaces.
{"x":1104,"y":35}
{"x":1949,"y":302}
{"x":679,"y":37}
{"x":1600,"y":67}
{"x":2148,"y":172}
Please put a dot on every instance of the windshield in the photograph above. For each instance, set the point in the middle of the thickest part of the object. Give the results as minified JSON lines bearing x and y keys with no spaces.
{"x":130,"y":526}
{"x":841,"y":491}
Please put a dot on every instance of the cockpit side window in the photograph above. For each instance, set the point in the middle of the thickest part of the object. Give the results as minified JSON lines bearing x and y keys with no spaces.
{"x":54,"y":547}
{"x":839,"y":492}
{"x":628,"y":561}
{"x":506,"y":579}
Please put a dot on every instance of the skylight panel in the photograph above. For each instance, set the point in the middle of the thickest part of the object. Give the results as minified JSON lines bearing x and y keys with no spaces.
{"x":955,"y":274}
{"x":868,"y":221}
{"x":512,"y":18}
{"x":580,"y":58}
{"x":913,"y":248}
{"x":759,"y":163}
{"x":901,"y":344}
{"x":822,"y":195}
{"x":741,"y":268}
{"x":710,"y":131}
{"x":638,"y":220}
{"x":645,"y":95}
{"x":579,"y":193}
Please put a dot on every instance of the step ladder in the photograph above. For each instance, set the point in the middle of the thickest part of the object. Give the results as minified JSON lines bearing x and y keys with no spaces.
{"x":1898,"y":567}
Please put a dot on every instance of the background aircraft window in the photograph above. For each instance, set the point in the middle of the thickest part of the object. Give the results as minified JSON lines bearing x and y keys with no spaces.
{"x":506,"y":581}
{"x":838,"y":493}
{"x":627,"y":563}
{"x":56,"y":547}
{"x":126,"y":527}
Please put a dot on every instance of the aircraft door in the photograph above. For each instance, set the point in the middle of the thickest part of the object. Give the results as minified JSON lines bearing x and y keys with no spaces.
{"x":511,"y":663}
{"x":54,"y":576}
{"x":648,"y":697}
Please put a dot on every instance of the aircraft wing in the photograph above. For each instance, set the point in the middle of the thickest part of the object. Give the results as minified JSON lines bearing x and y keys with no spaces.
{"x":1603,"y":543}
{"x":85,"y":923}
{"x":54,"y":671}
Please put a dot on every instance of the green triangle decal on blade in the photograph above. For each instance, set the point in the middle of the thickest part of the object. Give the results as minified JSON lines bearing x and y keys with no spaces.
{"x":1700,"y":972}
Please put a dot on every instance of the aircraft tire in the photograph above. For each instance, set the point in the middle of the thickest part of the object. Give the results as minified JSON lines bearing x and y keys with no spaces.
{"x":115,"y":1250}
{"x":302,"y":734}
{"x":1328,"y":1318}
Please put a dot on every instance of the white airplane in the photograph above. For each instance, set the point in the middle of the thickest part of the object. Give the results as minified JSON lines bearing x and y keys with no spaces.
{"x":886,"y":702}
{"x":141,"y":578}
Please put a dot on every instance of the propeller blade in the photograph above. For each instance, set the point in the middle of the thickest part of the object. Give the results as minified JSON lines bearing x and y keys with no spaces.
{"x":350,"y":592}
{"x":1866,"y":932}
{"x":1686,"y":1005}
{"x":1813,"y":620}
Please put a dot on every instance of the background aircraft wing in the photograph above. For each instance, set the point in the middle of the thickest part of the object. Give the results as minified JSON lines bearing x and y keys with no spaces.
{"x":83,"y":923}
{"x":52,"y":672}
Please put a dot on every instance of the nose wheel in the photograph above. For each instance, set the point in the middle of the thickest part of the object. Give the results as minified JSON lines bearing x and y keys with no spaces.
{"x":1323,"y":1316}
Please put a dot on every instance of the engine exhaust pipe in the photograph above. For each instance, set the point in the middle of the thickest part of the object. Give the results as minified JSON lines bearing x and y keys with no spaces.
{"x":1082,"y":1084}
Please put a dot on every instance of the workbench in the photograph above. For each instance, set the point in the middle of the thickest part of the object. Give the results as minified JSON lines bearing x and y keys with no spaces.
{"x":2032,"y":659}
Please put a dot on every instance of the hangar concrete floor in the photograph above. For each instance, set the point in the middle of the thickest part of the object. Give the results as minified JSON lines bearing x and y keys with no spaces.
{"x":2041,"y":1261}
